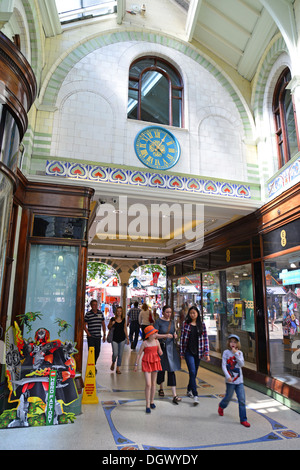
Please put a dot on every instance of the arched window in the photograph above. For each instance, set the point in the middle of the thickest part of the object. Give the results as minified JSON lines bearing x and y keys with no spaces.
{"x":155,"y":92}
{"x":285,"y":120}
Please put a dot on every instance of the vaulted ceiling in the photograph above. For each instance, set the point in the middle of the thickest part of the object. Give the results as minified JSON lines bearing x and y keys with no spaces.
{"x":236,"y":31}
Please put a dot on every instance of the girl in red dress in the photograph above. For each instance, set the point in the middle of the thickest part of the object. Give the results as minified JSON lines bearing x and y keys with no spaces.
{"x":150,"y":364}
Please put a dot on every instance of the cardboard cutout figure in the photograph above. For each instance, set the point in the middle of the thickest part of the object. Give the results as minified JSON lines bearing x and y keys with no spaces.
{"x":28,"y":367}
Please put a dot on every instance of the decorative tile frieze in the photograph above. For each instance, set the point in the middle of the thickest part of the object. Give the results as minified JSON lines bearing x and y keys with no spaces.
{"x":121,"y":176}
{"x":287,"y":177}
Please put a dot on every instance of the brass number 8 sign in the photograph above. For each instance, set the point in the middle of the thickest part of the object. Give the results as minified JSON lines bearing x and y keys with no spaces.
{"x":283,"y":237}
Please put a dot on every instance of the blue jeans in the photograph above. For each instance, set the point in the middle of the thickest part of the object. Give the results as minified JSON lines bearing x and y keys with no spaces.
{"x":134,"y":331}
{"x":240,"y":393}
{"x":192,"y":362}
{"x":117,"y":350}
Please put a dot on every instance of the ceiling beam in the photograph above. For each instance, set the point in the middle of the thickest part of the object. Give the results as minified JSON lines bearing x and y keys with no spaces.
{"x":282,"y":12}
{"x":192,"y":18}
{"x":50,"y":18}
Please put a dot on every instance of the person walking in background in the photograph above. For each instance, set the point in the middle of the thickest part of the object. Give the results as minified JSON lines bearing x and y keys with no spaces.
{"x":232,"y":363}
{"x":170,"y":360}
{"x":150,"y":349}
{"x":145,"y":318}
{"x":120,"y":336}
{"x":134,"y":326}
{"x":194,"y":346}
{"x":93,"y":322}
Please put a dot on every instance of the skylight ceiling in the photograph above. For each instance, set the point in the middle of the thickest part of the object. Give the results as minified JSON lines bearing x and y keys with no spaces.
{"x":75,"y":10}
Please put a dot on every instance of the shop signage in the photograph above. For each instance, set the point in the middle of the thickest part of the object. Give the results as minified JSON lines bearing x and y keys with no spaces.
{"x":290,"y":277}
{"x":51,"y":398}
{"x":283,"y":238}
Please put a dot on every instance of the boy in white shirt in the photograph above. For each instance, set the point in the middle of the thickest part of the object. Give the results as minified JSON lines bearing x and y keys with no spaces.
{"x":232,"y":363}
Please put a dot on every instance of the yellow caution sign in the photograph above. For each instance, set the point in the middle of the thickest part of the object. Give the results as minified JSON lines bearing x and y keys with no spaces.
{"x":89,"y":393}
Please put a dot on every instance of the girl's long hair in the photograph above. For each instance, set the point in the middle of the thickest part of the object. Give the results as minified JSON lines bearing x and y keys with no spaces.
{"x":198,"y":321}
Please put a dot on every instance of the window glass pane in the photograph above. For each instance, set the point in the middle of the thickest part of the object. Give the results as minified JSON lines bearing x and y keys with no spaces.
{"x":171,"y":72}
{"x":176,"y":110}
{"x":6,"y":197}
{"x":281,"y":153}
{"x":59,"y":227}
{"x":138,"y":67}
{"x":187,"y":292}
{"x":89,"y":3}
{"x":155,"y":98}
{"x":155,"y":92}
{"x":290,"y":123}
{"x":283,"y":306}
{"x":71,"y":10}
{"x":67,"y":5}
{"x":10,"y":142}
{"x":133,"y":96}
{"x":228,"y":307}
{"x":51,"y":290}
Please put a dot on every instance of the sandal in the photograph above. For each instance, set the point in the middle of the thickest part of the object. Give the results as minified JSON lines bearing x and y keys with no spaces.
{"x":161,"y":392}
{"x":176,"y":400}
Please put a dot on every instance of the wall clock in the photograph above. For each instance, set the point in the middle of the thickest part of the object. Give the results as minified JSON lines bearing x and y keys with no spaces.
{"x":157,"y":148}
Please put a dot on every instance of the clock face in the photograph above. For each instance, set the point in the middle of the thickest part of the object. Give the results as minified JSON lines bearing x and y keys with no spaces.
{"x":157,"y":148}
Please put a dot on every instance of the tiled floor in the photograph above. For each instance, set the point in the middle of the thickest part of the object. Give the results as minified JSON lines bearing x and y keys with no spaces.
{"x":119,"y":420}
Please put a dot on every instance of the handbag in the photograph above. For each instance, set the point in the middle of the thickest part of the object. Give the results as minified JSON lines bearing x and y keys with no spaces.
{"x":163,"y":340}
{"x":110,"y":335}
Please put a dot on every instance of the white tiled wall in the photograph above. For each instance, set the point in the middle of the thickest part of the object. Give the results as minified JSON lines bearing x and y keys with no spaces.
{"x":90,"y":123}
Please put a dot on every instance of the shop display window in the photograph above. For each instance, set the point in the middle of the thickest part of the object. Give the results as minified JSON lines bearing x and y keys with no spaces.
{"x":283,"y":310}
{"x":9,"y":139}
{"x":228,"y":307}
{"x":6,"y":192}
{"x":186,"y":292}
{"x":51,"y":291}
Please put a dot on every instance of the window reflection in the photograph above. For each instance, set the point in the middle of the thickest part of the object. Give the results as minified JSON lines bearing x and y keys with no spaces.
{"x":51,"y":290}
{"x":228,"y":307}
{"x":283,"y":310}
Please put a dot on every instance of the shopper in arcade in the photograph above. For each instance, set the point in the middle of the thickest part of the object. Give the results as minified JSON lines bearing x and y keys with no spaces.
{"x":93,"y":322}
{"x":120,"y":337}
{"x":170,"y":360}
{"x":194,"y":346}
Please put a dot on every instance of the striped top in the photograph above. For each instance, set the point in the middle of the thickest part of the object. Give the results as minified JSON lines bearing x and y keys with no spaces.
{"x":94,"y":322}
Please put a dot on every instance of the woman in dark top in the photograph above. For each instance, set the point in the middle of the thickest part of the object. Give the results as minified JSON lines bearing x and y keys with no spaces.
{"x":170,"y":360}
{"x":194,"y":346}
{"x":120,"y":336}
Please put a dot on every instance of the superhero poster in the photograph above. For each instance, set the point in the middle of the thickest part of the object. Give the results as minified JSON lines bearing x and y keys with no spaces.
{"x":30,"y":366}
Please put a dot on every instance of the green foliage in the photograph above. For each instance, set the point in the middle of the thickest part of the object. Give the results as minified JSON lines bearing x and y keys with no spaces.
{"x":97,"y":270}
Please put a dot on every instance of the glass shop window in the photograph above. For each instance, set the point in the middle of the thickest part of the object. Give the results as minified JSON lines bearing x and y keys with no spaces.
{"x":228,"y":307}
{"x":186,"y":292}
{"x":9,"y":139}
{"x":283,"y":310}
{"x":59,"y":227}
{"x":51,"y":291}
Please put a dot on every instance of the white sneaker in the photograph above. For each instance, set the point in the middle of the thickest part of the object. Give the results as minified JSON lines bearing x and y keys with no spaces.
{"x":190,"y":394}
{"x":196,"y":401}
